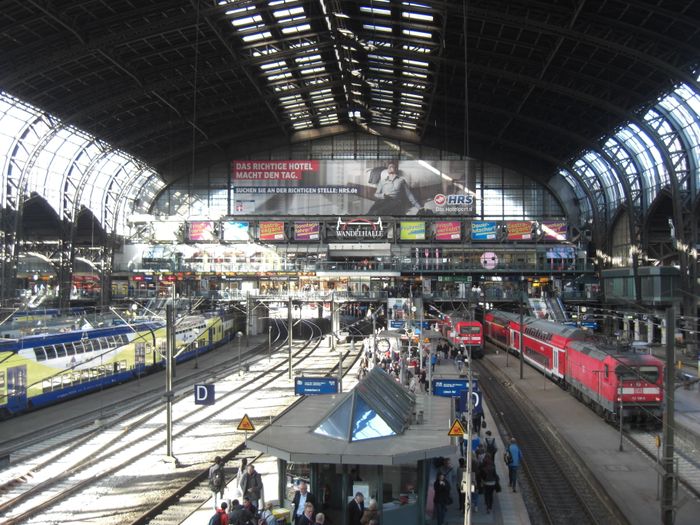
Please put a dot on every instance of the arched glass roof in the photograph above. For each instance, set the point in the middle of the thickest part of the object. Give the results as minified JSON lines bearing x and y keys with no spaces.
{"x":670,"y":130}
{"x":68,"y":167}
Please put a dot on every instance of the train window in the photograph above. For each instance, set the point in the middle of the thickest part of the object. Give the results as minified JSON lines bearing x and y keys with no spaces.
{"x":607,"y":371}
{"x":2,"y":379}
{"x":51,"y":352}
{"x":649,"y":373}
{"x":40,"y":353}
{"x":465,"y":330}
{"x":60,"y":350}
{"x":70,"y":348}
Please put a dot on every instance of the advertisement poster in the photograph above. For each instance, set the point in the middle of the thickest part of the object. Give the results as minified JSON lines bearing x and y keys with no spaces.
{"x":484,"y":230}
{"x":200,"y":231}
{"x":448,"y":231}
{"x":306,"y":231}
{"x":350,"y":187}
{"x":519,"y":230}
{"x":398,"y":312}
{"x":235,"y":230}
{"x":555,"y":230}
{"x":166,"y":231}
{"x":271,"y":231}
{"x":412,"y":231}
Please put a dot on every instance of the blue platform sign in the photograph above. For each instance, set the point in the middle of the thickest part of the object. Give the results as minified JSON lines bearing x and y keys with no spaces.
{"x":462,"y":402}
{"x":452,"y":387}
{"x":313,"y":386}
{"x":204,"y":394}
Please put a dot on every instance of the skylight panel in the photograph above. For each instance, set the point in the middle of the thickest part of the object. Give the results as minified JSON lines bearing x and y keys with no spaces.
{"x":414,"y":74}
{"x":375,"y":27}
{"x":418,"y":63}
{"x":288,"y":12}
{"x":417,"y":16}
{"x":279,"y":76}
{"x":247,"y":21}
{"x":416,"y":49}
{"x":296,"y":29}
{"x":257,"y":36}
{"x":312,"y":70}
{"x":308,"y":58}
{"x":375,"y":10}
{"x":416,"y":33}
{"x":273,"y":65}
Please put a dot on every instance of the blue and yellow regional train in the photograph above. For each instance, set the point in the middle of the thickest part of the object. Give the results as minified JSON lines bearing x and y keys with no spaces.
{"x":40,"y":370}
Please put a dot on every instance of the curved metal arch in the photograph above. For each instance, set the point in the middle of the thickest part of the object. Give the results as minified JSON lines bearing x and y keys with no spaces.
{"x":592,"y":200}
{"x":122,"y":200}
{"x":597,"y":192}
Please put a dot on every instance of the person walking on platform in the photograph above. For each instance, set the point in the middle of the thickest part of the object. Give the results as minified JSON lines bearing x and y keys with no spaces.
{"x":489,"y":481}
{"x":217,"y":480}
{"x":238,"y":515}
{"x":441,"y":497}
{"x":461,"y":474}
{"x":307,"y":517}
{"x":513,"y":459}
{"x":301,"y":498}
{"x":356,"y":508}
{"x":221,"y":516}
{"x":267,"y":515}
{"x":251,"y":486}
{"x":370,"y":513}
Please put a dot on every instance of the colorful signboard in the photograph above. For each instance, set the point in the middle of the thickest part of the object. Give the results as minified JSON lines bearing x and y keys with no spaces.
{"x":484,"y":230}
{"x":200,"y":231}
{"x":448,"y":231}
{"x":271,"y":231}
{"x":360,"y":228}
{"x":306,"y":231}
{"x":235,"y":231}
{"x":555,"y":230}
{"x":412,"y":231}
{"x":519,"y":230}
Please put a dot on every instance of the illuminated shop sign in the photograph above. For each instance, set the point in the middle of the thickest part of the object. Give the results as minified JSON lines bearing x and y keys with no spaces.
{"x":360,"y":228}
{"x":306,"y":231}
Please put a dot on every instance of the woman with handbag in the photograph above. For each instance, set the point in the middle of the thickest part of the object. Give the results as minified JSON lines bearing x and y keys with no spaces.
{"x":489,"y":481}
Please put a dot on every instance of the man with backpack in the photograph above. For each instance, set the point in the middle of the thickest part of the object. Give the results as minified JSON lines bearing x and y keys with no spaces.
{"x":217,"y":480}
{"x":220,"y":517}
{"x":513,"y":457}
{"x":491,"y":447}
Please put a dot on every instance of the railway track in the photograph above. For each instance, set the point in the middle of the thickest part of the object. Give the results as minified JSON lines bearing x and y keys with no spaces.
{"x":558,"y":488}
{"x":101,"y":464}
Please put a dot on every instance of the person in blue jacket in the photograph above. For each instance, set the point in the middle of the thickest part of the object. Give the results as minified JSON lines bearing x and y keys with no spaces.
{"x":516,"y":457}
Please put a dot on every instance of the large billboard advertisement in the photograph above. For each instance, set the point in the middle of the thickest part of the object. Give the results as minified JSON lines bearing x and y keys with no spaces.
{"x":201,"y":231}
{"x":554,"y":230}
{"x":412,"y":231}
{"x":484,"y":230}
{"x":519,"y":230}
{"x":306,"y":231}
{"x":235,"y":230}
{"x":353,"y":187}
{"x":271,"y":231}
{"x":448,"y":231}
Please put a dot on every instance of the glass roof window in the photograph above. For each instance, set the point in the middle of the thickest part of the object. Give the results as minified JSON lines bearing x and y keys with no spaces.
{"x":608,"y":174}
{"x":583,"y":201}
{"x":683,"y":106}
{"x":647,"y":156}
{"x":669,"y":137}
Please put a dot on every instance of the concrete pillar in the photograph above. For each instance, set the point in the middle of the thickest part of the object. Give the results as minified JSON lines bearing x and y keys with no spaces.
{"x":637,"y":329}
{"x":650,"y":330}
{"x":626,"y":328}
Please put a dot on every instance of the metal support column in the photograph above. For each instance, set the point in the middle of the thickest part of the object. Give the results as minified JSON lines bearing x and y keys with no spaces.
{"x":667,"y":495}
{"x":290,"y":321}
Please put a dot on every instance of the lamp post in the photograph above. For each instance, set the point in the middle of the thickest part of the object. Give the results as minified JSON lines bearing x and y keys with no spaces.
{"x":239,"y":336}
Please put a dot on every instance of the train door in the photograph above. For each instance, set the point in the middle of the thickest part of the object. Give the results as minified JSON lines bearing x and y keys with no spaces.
{"x":17,"y":388}
{"x":139,"y":354}
{"x":555,"y":364}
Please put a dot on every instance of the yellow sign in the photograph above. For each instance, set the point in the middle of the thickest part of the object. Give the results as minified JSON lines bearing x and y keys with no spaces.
{"x":245,"y":424}
{"x":456,"y":429}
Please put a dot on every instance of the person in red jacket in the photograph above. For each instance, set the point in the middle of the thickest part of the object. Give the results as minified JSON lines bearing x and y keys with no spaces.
{"x":221,"y":514}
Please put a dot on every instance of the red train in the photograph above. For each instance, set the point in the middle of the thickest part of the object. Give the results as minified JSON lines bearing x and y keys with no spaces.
{"x":464,"y":333}
{"x":604,"y":378}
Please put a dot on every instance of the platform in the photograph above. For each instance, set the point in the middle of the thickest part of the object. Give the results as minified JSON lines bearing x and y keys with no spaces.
{"x":629,"y":476}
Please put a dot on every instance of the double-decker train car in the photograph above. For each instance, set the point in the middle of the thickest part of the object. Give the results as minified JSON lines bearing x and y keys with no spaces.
{"x":39,"y":370}
{"x":612,"y":380}
{"x":464,"y":333}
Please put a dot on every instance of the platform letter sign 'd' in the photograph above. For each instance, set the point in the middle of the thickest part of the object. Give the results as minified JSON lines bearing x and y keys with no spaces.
{"x":204,"y":394}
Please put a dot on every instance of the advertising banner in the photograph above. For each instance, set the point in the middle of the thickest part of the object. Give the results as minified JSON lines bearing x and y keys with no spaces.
{"x":358,"y":229}
{"x":555,"y":230}
{"x":166,"y":231}
{"x":448,"y":231}
{"x":412,"y":231}
{"x":200,"y":231}
{"x":235,"y":230}
{"x":484,"y":230}
{"x":351,"y":187}
{"x":519,"y":230}
{"x":306,"y":231}
{"x":271,"y":231}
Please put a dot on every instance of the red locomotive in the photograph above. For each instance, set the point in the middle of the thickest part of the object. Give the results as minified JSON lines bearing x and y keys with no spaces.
{"x":606,"y":378}
{"x":464,"y":333}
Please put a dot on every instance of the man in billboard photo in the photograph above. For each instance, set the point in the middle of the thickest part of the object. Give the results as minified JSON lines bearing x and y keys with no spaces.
{"x":393,"y":195}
